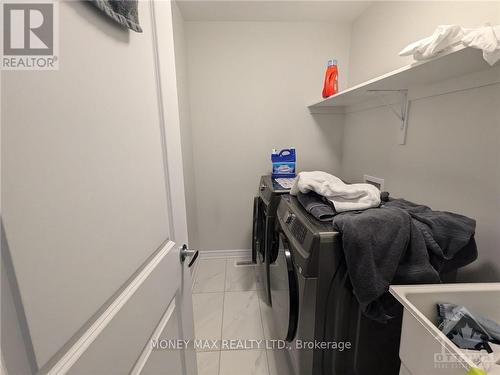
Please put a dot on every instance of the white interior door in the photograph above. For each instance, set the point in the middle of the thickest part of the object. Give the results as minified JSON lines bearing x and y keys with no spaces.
{"x":93,"y":211}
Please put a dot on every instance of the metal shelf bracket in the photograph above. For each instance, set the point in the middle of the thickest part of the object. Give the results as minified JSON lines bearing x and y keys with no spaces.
{"x":402,"y":115}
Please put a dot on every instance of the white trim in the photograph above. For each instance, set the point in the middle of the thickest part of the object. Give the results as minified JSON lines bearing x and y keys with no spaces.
{"x":216,"y":254}
{"x":148,"y":349}
{"x":88,"y":337}
{"x":161,"y":118}
{"x":168,"y":106}
{"x":327,"y":110}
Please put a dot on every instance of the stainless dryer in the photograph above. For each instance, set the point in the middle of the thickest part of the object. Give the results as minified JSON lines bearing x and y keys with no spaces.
{"x":264,"y":238}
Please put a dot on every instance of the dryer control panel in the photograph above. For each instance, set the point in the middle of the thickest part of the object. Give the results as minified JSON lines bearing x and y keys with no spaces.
{"x":298,"y":230}
{"x":302,"y":226}
{"x":306,"y":235}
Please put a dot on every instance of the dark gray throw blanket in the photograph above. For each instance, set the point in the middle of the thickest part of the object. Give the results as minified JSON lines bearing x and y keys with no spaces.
{"x":401,"y":243}
{"x":124,"y":12}
{"x":315,"y":204}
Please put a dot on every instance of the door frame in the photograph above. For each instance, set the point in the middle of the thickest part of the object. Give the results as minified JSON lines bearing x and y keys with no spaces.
{"x":168,"y":107}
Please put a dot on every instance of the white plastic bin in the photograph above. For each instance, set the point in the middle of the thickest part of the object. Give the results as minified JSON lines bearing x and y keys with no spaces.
{"x":424,"y":349}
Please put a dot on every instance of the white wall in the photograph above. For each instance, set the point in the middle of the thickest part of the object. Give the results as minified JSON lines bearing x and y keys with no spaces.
{"x":387,"y":26}
{"x":185,"y":124}
{"x":451,"y":158}
{"x":250,"y":83}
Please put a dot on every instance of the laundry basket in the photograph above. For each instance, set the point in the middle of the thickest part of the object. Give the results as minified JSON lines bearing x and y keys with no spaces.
{"x":424,"y":349}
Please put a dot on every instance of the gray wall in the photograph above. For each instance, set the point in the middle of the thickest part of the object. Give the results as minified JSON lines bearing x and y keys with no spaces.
{"x":185,"y":124}
{"x":451,"y":159}
{"x":250,"y":84}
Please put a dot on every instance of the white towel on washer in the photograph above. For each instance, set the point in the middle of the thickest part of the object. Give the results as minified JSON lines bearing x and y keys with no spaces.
{"x":345,"y":197}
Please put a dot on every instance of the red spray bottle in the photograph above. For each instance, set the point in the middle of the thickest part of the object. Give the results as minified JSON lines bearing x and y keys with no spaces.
{"x":331,"y":79}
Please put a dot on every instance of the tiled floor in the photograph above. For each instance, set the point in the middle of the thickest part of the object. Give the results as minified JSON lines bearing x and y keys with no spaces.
{"x":227,"y":306}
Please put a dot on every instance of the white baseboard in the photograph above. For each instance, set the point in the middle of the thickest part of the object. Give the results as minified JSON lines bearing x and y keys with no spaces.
{"x":217,"y":254}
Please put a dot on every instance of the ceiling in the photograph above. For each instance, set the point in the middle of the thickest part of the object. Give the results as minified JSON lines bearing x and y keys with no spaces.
{"x":277,"y":10}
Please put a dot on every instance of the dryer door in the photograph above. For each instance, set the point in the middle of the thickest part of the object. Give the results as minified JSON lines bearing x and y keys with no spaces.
{"x":284,"y":293}
{"x":259,"y":230}
{"x":257,"y":234}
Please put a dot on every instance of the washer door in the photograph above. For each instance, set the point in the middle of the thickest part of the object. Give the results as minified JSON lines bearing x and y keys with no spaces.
{"x":284,"y":293}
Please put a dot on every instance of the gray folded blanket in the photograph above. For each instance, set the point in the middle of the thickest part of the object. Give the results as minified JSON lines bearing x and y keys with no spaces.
{"x":401,"y":243}
{"x":321,"y":208}
{"x":315,"y":204}
{"x":124,"y":12}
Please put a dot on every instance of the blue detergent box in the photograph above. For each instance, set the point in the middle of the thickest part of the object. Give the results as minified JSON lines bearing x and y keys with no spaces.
{"x":283,"y":163}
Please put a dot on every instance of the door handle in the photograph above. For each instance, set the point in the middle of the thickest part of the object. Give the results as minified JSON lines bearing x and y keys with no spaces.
{"x":185,"y":253}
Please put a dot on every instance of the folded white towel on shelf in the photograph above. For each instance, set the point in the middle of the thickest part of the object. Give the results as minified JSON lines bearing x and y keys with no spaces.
{"x":345,"y":197}
{"x":486,"y":39}
{"x":445,"y":37}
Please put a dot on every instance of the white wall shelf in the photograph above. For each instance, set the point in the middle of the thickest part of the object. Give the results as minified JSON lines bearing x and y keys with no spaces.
{"x":455,"y":63}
